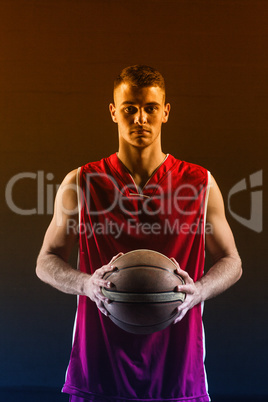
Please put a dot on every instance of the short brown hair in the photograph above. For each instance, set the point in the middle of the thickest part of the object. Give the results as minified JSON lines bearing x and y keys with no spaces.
{"x":140,"y":76}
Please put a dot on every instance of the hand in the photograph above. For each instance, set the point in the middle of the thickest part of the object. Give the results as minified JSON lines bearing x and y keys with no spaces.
{"x":96,"y":282}
{"x":192,"y":290}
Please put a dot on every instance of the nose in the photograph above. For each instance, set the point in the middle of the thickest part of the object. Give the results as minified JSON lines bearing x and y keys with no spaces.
{"x":140,"y":117}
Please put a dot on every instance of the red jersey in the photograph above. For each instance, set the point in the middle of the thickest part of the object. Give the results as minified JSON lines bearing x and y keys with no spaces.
{"x":168,"y":216}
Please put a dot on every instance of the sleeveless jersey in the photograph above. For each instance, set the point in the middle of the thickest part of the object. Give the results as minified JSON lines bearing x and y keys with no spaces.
{"x":168,"y":216}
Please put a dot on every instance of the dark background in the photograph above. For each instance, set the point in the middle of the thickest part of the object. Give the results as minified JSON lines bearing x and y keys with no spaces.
{"x":58,"y":59}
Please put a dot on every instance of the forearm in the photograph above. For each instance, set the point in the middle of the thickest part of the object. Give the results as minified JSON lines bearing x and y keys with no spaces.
{"x":222,"y":275}
{"x":53,"y":270}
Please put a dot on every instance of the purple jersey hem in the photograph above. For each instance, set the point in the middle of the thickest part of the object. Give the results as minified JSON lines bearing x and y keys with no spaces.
{"x":91,"y":397}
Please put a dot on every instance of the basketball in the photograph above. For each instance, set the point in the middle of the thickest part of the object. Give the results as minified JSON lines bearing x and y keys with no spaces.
{"x":142,"y":298}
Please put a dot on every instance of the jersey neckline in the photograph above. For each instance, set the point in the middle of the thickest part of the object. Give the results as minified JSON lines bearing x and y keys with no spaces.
{"x":153,"y":181}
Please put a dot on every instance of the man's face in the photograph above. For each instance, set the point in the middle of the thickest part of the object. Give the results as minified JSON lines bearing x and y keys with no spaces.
{"x":139,"y":113}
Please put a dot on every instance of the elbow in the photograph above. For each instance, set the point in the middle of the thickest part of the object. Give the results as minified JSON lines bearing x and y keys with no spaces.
{"x":239,"y":267}
{"x":39,"y":269}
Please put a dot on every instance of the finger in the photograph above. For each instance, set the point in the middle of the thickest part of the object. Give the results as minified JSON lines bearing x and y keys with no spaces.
{"x":115,"y":257}
{"x":106,"y":268}
{"x":102,"y":283}
{"x":180,"y":317}
{"x":101,"y":297}
{"x":176,"y":320}
{"x":175,"y":262}
{"x":103,"y":310}
{"x":101,"y":307}
{"x":187,"y":288}
{"x":182,"y":310}
{"x":185,"y":276}
{"x":102,"y":271}
{"x":109,"y":267}
{"x":186,"y":305}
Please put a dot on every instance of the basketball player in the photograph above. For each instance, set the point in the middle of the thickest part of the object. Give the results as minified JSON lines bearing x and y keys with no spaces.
{"x":139,"y":197}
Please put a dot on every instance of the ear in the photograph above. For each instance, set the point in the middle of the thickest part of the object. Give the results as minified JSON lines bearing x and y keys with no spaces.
{"x":112,"y":111}
{"x":166,"y":112}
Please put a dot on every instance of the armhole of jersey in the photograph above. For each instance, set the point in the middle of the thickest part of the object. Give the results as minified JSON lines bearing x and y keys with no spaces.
{"x":206,"y":204}
{"x":78,"y":189}
{"x":202,"y":304}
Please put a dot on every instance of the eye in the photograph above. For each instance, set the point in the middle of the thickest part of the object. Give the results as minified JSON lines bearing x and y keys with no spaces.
{"x":151,"y":109}
{"x":130,"y":109}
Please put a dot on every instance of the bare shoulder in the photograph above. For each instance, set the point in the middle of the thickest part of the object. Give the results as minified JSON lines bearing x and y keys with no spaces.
{"x":62,"y":233}
{"x":70,"y":177}
{"x":66,"y":199}
{"x":215,"y":199}
{"x":220,"y":241}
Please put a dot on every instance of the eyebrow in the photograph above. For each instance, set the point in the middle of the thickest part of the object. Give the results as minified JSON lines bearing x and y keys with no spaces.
{"x":134,"y":103}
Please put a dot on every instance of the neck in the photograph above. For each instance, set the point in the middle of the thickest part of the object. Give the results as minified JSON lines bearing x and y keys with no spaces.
{"x":141,"y":162}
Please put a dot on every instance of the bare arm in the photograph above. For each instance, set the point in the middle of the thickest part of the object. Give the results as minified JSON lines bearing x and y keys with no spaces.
{"x":226,"y":268}
{"x":61,"y":237}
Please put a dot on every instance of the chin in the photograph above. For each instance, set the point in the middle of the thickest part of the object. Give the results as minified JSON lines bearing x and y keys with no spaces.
{"x":141,"y":143}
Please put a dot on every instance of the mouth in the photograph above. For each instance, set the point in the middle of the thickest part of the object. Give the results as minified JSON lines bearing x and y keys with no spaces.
{"x":140,"y":132}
